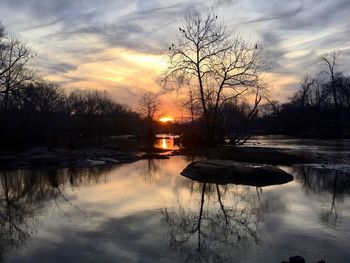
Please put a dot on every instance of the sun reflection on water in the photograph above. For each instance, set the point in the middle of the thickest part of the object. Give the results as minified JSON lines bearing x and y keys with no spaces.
{"x":164,"y":144}
{"x":167,"y":143}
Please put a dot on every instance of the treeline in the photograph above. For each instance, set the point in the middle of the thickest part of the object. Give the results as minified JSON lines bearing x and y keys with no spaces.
{"x":39,"y":112}
{"x":320,"y":107}
{"x":43,"y":114}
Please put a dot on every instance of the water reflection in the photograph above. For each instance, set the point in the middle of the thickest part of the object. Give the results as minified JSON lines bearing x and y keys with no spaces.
{"x":15,"y":228}
{"x":330,"y":184}
{"x":335,"y":151}
{"x":152,"y":170}
{"x":24,"y":194}
{"x":213,"y":227}
{"x":144,"y":211}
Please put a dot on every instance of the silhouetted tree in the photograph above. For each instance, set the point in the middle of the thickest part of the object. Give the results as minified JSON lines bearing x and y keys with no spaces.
{"x":191,"y":103}
{"x":220,"y":65}
{"x":42,"y":104}
{"x":238,"y":119}
{"x":149,"y":105}
{"x":14,"y":67}
{"x":34,"y":111}
{"x":2,"y":30}
{"x":320,"y":107}
{"x":329,"y":61}
{"x":44,"y":114}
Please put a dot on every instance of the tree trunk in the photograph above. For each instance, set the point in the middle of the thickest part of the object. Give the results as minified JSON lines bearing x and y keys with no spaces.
{"x":336,"y":107}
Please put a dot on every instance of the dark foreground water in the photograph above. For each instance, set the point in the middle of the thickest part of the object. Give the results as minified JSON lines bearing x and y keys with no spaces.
{"x":147,"y":212}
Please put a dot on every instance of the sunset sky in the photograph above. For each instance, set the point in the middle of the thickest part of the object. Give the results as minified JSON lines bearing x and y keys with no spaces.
{"x":119,"y":45}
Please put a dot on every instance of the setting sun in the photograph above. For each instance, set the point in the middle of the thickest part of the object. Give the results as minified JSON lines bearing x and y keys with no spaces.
{"x":166,"y":119}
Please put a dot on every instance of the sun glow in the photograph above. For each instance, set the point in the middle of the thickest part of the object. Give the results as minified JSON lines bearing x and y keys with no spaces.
{"x":166,"y":119}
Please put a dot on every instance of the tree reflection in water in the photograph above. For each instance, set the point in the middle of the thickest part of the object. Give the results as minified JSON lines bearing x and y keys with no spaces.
{"x":23,"y":194}
{"x":213,"y":226}
{"x":154,"y":166}
{"x":331,"y":184}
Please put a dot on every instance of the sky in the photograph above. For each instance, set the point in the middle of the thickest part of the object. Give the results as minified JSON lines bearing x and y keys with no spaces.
{"x":120,"y":45}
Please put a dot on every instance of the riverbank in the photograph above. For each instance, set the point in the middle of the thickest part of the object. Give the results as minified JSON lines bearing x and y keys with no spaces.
{"x":43,"y":157}
{"x":248,"y":154}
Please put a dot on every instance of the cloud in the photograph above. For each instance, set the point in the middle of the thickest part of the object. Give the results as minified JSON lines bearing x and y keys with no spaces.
{"x":60,"y":67}
{"x":70,"y":34}
{"x":278,"y":15}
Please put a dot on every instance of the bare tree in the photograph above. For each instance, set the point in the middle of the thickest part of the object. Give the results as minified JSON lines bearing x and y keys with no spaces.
{"x":238,"y":119}
{"x":304,"y":93}
{"x":2,"y":31}
{"x":14,"y":68}
{"x":191,"y":103}
{"x":149,"y":103}
{"x":345,"y":87}
{"x":330,"y":61}
{"x":214,"y":61}
{"x":45,"y":96}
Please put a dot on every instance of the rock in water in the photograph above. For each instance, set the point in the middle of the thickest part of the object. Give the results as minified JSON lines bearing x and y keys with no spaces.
{"x":230,"y":172}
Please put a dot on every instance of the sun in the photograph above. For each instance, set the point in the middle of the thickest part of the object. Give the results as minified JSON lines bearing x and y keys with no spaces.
{"x":166,"y":118}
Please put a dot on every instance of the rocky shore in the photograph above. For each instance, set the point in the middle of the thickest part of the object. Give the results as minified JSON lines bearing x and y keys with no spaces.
{"x":43,"y":157}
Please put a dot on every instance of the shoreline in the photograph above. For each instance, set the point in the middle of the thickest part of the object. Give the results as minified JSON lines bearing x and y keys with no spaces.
{"x":249,"y":154}
{"x":42,"y":157}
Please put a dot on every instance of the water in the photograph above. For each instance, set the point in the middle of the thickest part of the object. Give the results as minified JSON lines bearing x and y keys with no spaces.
{"x":166,"y":142}
{"x":334,"y":151}
{"x":147,"y":212}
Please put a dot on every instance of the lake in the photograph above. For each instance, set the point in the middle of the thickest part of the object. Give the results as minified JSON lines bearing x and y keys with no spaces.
{"x":147,"y":212}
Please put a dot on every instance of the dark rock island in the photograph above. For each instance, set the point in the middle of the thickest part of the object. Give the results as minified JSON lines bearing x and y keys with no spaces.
{"x":230,"y":172}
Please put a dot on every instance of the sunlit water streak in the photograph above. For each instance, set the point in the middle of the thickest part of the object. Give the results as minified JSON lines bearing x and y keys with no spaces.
{"x":166,"y":143}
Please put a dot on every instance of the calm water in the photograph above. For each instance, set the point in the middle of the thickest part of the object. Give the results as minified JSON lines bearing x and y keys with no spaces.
{"x":334,"y":151}
{"x":147,"y":212}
